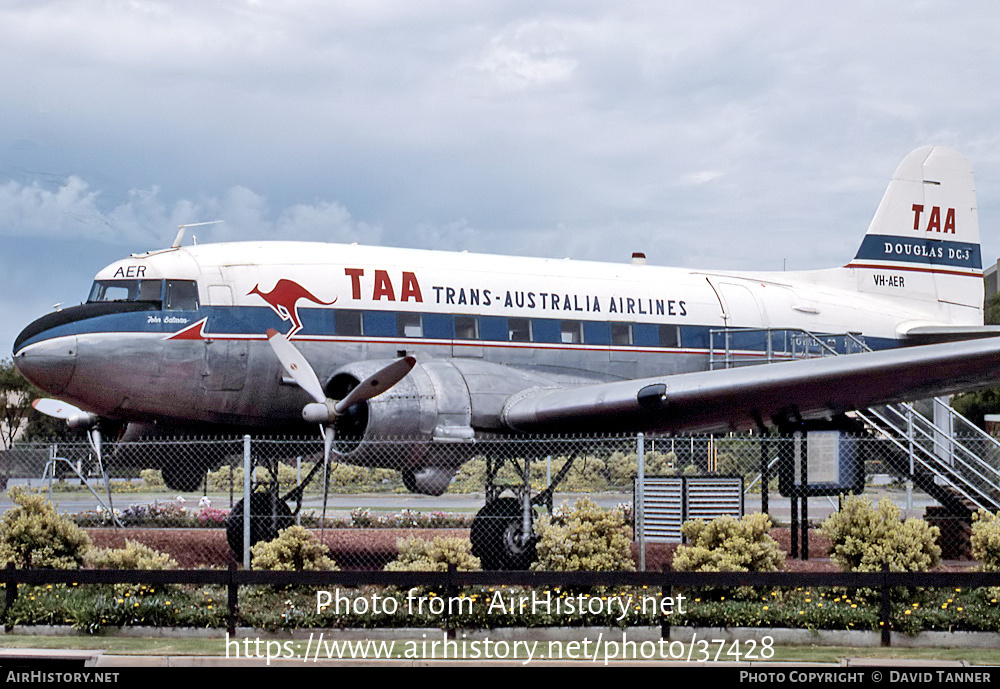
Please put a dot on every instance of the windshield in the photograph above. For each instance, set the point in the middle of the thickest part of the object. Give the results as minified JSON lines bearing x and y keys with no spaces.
{"x":126,"y":290}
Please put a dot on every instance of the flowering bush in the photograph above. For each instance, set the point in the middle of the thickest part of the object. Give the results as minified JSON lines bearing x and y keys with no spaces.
{"x":726,"y":544}
{"x":418,"y":555}
{"x":362,"y":517}
{"x":294,"y":549}
{"x":32,"y":534}
{"x":986,"y":540}
{"x":584,"y":537}
{"x":864,"y":537}
{"x":212,"y":516}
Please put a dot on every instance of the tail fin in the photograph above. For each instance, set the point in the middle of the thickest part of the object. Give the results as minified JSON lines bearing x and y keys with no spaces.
{"x":924,"y":238}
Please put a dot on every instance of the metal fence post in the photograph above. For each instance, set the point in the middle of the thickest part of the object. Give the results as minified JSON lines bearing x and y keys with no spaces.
{"x":298,"y":482}
{"x":246,"y":502}
{"x":637,"y":512}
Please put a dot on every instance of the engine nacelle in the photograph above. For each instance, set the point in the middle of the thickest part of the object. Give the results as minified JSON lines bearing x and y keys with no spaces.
{"x":417,"y":422}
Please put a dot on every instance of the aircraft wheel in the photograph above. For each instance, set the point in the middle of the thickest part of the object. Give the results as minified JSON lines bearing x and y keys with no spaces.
{"x":183,"y":477}
{"x":265,"y":521}
{"x":496,"y":536}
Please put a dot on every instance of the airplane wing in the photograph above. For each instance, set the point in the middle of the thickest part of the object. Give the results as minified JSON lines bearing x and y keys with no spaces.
{"x":741,"y":398}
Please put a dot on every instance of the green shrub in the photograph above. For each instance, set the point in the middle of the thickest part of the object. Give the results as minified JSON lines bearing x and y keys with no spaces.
{"x":585,"y":537}
{"x":33,"y":535}
{"x":294,"y":549}
{"x":419,"y":555}
{"x":153,"y":478}
{"x":227,"y":478}
{"x":727,"y":544}
{"x":986,"y":540}
{"x":623,"y":467}
{"x":134,"y":555}
{"x":864,"y":537}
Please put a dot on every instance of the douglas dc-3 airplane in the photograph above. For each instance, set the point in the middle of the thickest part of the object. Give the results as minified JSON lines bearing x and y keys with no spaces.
{"x":444,"y":348}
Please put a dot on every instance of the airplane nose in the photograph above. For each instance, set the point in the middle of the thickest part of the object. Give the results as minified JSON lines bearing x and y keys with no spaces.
{"x":48,"y":364}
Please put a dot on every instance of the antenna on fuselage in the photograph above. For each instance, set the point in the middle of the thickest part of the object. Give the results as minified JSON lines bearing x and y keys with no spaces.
{"x":181,"y":228}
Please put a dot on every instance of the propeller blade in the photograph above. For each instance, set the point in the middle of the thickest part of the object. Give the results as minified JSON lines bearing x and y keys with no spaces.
{"x":377,"y":383}
{"x":57,"y":409}
{"x":296,"y":365}
{"x":328,"y":433}
{"x":73,"y":416}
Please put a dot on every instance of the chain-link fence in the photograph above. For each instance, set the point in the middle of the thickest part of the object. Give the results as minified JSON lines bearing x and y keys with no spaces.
{"x":501,"y":504}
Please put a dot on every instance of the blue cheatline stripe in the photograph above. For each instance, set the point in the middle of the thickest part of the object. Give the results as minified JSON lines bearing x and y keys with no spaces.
{"x":877,"y":247}
{"x":253,"y":322}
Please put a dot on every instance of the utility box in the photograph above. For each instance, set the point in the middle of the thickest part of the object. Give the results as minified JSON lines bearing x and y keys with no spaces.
{"x":669,"y":501}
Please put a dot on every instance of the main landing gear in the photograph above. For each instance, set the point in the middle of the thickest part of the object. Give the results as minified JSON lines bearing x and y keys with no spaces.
{"x":269,"y":511}
{"x":502,"y":533}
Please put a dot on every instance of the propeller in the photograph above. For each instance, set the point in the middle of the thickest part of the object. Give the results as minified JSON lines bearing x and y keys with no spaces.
{"x":324,"y":410}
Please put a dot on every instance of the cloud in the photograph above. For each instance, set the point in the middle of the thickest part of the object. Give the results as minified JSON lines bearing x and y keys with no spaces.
{"x":528,"y":56}
{"x":74,"y":211}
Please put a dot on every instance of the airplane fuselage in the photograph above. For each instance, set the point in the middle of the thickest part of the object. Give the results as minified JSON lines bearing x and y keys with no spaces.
{"x":180,"y":334}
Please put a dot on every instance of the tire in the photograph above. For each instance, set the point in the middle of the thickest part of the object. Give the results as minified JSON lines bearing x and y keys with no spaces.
{"x":183,"y":477}
{"x":263,"y":526}
{"x":496,"y":536}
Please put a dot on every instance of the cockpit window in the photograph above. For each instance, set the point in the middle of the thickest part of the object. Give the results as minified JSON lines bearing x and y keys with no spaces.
{"x":181,"y":295}
{"x":126,"y":290}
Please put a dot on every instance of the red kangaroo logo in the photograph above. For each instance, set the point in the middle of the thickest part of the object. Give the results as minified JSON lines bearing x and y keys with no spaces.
{"x":284,"y":300}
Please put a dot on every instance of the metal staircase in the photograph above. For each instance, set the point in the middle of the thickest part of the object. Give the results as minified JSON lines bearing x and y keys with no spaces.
{"x":928,"y":442}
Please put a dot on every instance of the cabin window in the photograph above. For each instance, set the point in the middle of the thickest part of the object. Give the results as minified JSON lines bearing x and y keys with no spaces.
{"x":466,"y":328}
{"x":621,"y":333}
{"x":347,"y":322}
{"x":181,"y":295}
{"x":409,"y":325}
{"x":519,"y":330}
{"x":670,"y":336}
{"x":571,"y":332}
{"x":126,"y":290}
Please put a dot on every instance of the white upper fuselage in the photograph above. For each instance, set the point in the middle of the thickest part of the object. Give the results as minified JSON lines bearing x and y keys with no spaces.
{"x":416,"y":281}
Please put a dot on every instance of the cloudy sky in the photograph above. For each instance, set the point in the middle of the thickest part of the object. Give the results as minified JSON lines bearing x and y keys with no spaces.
{"x":713,"y":134}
